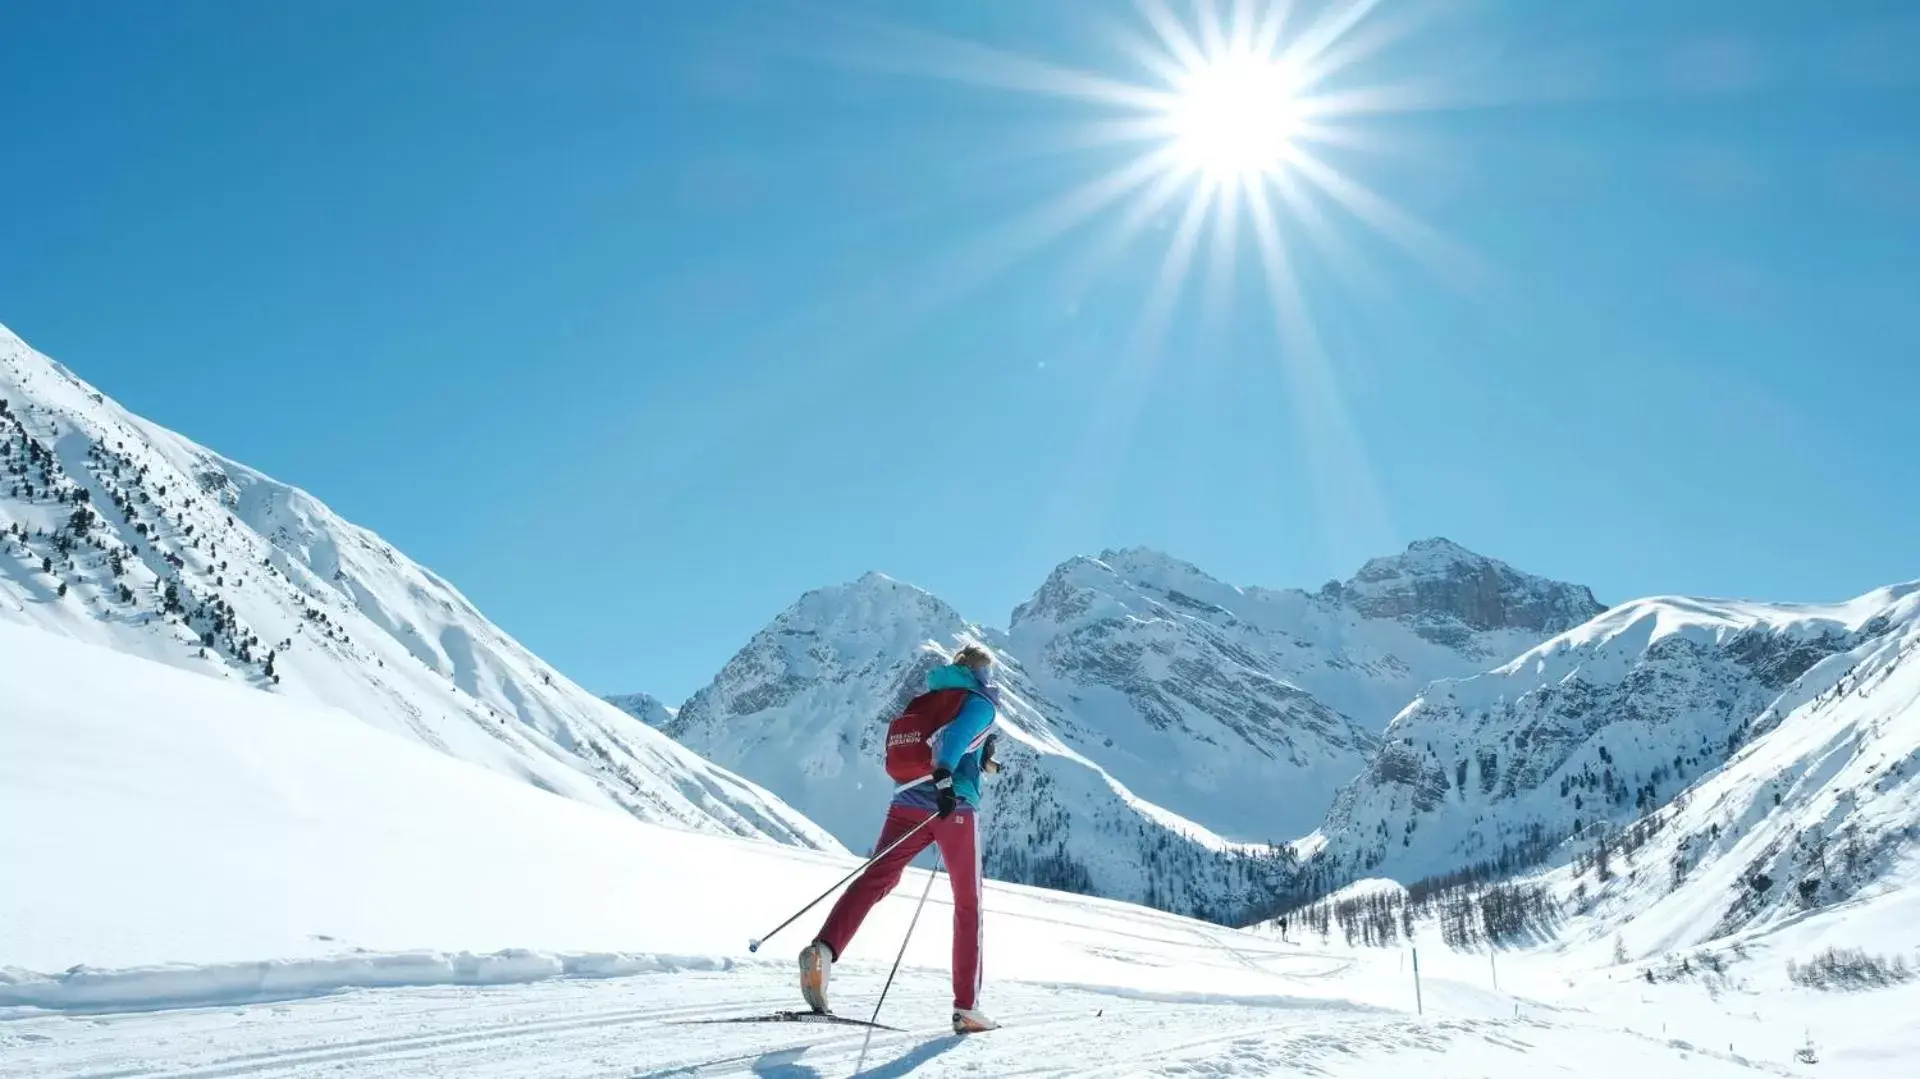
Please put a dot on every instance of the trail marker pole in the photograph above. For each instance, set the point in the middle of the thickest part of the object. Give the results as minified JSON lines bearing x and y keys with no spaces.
{"x":1419,"y":1006}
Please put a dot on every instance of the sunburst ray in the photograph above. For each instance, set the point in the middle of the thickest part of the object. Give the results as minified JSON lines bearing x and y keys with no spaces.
{"x":1273,"y":23}
{"x":1173,"y":34}
{"x":1213,"y":33}
{"x":1413,"y":235}
{"x":1237,"y":111}
{"x":905,"y":51}
{"x":1325,"y":32}
{"x":1351,"y":507}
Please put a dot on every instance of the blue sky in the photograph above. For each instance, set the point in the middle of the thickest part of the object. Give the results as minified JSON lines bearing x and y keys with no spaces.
{"x":635,"y":320}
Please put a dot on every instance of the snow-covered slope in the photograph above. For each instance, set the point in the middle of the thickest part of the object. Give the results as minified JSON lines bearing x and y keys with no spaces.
{"x":1712,"y":916}
{"x":115,"y":531}
{"x":173,"y":842}
{"x":1815,"y":809}
{"x":1246,"y":709}
{"x":150,"y":815}
{"x":1639,"y":708}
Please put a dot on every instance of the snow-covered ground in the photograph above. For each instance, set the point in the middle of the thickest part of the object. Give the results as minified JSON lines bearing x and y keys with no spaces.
{"x":1730,"y":997}
{"x":650,"y":1026}
{"x":207,"y":880}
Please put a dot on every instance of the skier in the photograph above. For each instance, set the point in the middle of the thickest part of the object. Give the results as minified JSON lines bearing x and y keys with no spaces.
{"x":962,"y":748}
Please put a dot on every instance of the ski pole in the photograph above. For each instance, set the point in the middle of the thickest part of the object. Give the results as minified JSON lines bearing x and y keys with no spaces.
{"x":754,"y":944}
{"x":885,"y":989}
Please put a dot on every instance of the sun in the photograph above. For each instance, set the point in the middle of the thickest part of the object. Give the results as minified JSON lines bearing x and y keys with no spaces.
{"x":1231,"y":138}
{"x":1232,"y":128}
{"x":1234,"y":117}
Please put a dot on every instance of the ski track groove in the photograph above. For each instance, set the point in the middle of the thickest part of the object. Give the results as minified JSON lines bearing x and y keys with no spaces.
{"x":1286,"y":1047}
{"x":702,"y":1065}
{"x":400,"y":1044}
{"x":902,"y":1040}
{"x":366,"y":1050}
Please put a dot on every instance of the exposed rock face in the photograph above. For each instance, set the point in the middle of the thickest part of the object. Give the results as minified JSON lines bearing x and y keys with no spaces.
{"x":1588,"y":731}
{"x":1447,"y":592}
{"x":1246,"y":709}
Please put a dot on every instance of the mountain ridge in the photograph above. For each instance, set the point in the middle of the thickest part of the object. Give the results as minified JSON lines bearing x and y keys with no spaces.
{"x":121,"y":532}
{"x":1202,"y":723}
{"x":1671,"y":734}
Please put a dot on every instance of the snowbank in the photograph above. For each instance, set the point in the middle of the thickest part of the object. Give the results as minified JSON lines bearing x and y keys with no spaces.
{"x":85,"y":988}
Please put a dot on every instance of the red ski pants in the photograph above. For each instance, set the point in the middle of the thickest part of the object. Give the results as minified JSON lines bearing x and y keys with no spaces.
{"x":960,"y":849}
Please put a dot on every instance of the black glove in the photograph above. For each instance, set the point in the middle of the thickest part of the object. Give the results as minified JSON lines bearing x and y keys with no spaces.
{"x":943,"y":789}
{"x":987,"y":763}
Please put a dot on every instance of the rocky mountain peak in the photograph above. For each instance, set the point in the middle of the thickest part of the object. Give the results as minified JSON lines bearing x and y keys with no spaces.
{"x":644,"y":707}
{"x":874,"y":602}
{"x":1070,"y":591}
{"x":1446,"y":590}
{"x":869,"y":630}
{"x":1148,"y":566}
{"x":1119,"y":580}
{"x":1435,"y":556}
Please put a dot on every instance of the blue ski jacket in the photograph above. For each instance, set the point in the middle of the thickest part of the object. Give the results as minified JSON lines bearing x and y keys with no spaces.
{"x":957,"y":747}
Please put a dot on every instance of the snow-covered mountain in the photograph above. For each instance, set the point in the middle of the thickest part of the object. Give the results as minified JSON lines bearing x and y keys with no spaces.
{"x":805,"y":704}
{"x":1247,"y":708}
{"x":1737,"y":730}
{"x":803,"y":707}
{"x":118,"y":532}
{"x":644,"y":707}
{"x":1166,"y":727}
{"x":1815,"y":808}
{"x":1768,"y":757}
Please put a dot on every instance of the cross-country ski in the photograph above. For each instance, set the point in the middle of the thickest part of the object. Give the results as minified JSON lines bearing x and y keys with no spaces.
{"x":790,"y":1016}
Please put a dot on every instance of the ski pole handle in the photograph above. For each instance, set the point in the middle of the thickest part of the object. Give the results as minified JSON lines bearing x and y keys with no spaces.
{"x":754,"y":945}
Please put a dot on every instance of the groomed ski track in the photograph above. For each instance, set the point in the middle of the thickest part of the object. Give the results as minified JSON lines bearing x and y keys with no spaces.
{"x":644,"y":1027}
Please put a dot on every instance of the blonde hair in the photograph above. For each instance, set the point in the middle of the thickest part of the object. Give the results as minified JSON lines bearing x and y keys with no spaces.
{"x":973,"y":656}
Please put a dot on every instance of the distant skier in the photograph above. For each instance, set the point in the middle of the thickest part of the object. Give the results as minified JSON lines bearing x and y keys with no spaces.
{"x":958,"y":711}
{"x":1283,"y":927}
